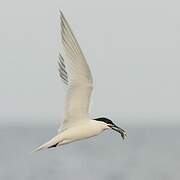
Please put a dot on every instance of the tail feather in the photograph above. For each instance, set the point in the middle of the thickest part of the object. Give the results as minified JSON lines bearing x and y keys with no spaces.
{"x":50,"y":144}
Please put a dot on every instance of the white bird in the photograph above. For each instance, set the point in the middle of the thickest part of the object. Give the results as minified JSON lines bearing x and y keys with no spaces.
{"x":75,"y":73}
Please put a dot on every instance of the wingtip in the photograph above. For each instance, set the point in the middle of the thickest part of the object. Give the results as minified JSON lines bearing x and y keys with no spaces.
{"x":61,"y":13}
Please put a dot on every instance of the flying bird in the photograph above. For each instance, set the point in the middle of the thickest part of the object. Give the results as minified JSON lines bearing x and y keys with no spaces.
{"x":76,"y":75}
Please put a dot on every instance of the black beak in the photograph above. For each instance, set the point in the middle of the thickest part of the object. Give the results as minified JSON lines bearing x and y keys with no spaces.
{"x":119,"y":130}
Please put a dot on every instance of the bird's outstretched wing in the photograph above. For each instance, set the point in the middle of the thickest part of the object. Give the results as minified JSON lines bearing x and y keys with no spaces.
{"x":75,"y":73}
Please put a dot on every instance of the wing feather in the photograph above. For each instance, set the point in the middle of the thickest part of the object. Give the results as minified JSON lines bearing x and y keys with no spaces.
{"x":75,"y":72}
{"x":62,"y":70}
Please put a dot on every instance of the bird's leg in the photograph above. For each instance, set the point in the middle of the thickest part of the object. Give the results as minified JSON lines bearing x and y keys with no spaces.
{"x":54,"y":145}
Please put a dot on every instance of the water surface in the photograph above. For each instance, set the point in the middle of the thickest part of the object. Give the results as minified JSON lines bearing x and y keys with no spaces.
{"x":149,"y":153}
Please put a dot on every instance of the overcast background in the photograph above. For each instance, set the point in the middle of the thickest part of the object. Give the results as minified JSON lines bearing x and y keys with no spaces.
{"x":132,"y":47}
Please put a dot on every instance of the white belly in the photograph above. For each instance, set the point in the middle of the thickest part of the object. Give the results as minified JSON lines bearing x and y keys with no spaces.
{"x":82,"y":131}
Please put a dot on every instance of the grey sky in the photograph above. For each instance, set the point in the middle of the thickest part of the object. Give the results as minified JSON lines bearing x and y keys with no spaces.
{"x":132,"y":47}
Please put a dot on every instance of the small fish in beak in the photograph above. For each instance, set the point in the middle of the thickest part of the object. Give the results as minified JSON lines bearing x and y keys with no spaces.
{"x":119,"y":130}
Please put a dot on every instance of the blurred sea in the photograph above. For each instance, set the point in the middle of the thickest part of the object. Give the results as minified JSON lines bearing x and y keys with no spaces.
{"x":149,"y":153}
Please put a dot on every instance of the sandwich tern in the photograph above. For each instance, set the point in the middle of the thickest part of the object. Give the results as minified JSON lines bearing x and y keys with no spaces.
{"x":75,"y":73}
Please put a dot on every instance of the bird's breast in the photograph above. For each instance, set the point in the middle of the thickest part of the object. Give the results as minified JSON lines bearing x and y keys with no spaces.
{"x":83,"y":131}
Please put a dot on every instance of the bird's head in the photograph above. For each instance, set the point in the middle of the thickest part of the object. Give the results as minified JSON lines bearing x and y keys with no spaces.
{"x":113,"y":126}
